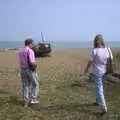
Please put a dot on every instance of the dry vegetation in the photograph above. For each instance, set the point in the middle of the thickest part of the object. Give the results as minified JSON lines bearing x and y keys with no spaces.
{"x":64,"y":93}
{"x":116,"y":55}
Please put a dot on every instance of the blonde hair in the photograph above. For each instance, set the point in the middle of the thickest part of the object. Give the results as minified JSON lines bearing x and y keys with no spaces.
{"x":99,"y":41}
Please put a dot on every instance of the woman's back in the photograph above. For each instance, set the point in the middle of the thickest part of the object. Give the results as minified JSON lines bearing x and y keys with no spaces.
{"x":99,"y":58}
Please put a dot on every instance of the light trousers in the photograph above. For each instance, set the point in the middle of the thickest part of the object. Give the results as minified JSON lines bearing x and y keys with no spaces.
{"x":30,"y":83}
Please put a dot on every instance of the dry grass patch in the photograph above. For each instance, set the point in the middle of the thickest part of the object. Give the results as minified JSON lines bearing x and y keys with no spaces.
{"x":64,"y":93}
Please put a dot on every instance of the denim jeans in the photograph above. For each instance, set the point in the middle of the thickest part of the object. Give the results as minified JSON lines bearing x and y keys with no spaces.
{"x":100,"y":99}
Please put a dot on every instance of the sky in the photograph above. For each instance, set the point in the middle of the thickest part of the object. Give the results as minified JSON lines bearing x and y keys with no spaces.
{"x":59,"y":20}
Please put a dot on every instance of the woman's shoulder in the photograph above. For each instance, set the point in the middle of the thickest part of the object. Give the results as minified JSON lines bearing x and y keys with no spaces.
{"x":107,"y":47}
{"x":93,"y":51}
{"x":97,"y":50}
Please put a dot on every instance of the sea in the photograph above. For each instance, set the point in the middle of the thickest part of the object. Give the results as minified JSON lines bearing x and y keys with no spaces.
{"x":59,"y":44}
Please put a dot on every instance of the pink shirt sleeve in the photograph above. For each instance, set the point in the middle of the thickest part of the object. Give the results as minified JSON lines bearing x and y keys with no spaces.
{"x":31,"y":56}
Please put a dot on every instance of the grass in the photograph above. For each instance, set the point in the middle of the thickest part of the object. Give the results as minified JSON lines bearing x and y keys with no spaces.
{"x":116,"y":55}
{"x":64,"y":93}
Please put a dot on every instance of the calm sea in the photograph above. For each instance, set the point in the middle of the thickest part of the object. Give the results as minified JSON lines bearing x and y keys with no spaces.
{"x":58,"y":44}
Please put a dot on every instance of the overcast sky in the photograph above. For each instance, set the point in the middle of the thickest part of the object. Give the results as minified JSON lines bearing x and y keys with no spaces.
{"x":65,"y":20}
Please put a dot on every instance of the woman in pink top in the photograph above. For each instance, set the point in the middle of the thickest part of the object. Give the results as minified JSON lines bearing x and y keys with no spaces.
{"x":98,"y":60}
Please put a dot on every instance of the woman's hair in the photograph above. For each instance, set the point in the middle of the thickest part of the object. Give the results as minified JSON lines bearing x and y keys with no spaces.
{"x":99,"y":41}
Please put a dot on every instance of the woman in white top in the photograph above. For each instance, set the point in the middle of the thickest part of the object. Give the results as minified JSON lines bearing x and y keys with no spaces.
{"x":98,"y":60}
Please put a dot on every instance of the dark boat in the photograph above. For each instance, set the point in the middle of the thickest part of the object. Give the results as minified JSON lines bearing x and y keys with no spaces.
{"x":42,"y":48}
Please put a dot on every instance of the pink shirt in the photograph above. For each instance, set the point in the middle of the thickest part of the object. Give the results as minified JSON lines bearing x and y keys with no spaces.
{"x":23,"y":57}
{"x":99,"y":60}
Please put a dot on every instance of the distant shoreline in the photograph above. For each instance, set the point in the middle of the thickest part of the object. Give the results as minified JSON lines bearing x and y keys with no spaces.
{"x":58,"y":44}
{"x":53,"y":49}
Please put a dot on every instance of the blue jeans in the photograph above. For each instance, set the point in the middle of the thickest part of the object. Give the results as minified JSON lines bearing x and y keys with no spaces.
{"x":99,"y":89}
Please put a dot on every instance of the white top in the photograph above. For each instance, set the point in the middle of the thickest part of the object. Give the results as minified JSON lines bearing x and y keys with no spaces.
{"x":99,"y":58}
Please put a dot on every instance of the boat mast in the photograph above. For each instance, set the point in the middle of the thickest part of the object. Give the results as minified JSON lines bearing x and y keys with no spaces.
{"x":42,"y":37}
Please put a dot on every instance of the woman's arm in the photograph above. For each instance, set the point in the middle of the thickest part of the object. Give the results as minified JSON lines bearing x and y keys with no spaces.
{"x":88,"y":66}
{"x":90,"y":61}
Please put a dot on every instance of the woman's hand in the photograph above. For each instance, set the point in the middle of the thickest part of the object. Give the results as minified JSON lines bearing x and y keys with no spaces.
{"x":85,"y":71}
{"x":87,"y":67}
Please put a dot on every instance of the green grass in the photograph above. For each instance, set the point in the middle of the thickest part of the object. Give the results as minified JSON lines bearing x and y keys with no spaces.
{"x":116,"y":62}
{"x":64,"y":100}
{"x":64,"y":93}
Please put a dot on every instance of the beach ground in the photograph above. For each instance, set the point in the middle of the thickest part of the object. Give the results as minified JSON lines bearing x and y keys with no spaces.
{"x":65,"y":94}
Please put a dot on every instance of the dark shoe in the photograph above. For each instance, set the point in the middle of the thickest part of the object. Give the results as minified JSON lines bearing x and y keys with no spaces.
{"x":104,"y":110}
{"x":96,"y":104}
{"x":103,"y":113}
